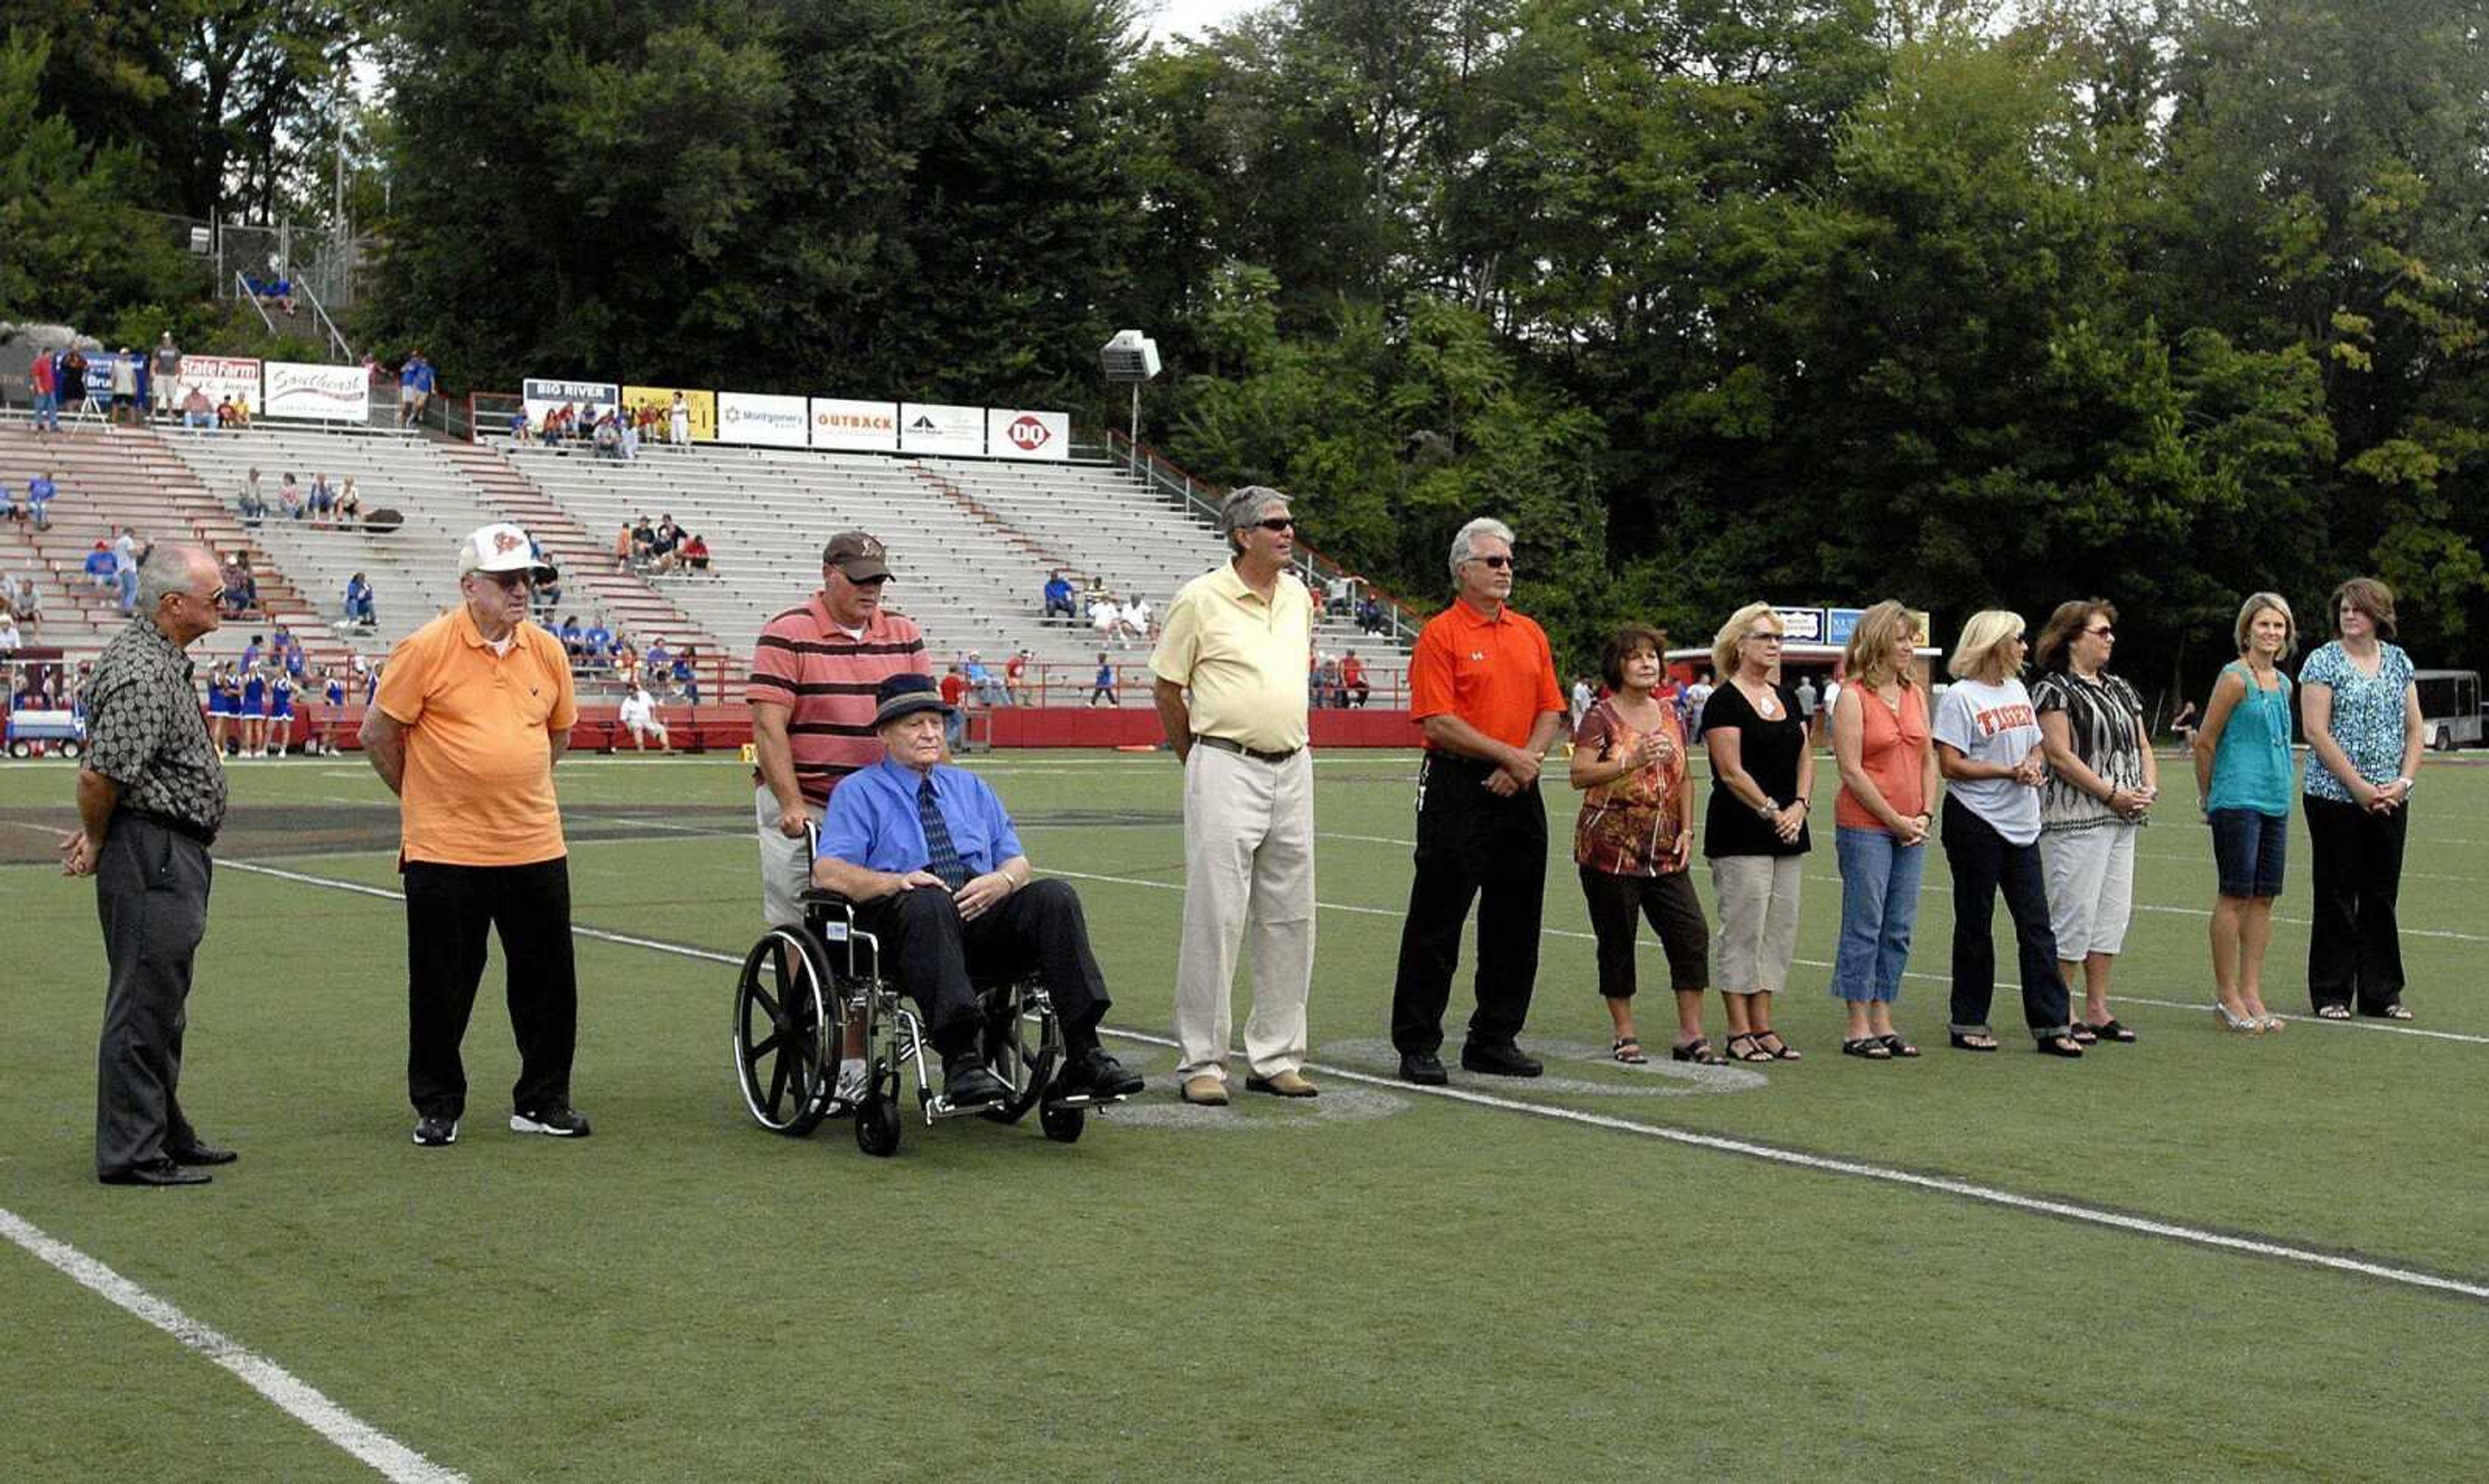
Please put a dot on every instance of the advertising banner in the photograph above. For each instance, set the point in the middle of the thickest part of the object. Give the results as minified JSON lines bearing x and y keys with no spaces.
{"x":750,"y":418}
{"x":547,"y":394}
{"x":872,"y":427}
{"x":700,"y":404}
{"x":222,"y":377}
{"x":931,"y":427}
{"x":1800,"y":625}
{"x":330,"y":393}
{"x":1838,"y":623}
{"x":1014,"y":433}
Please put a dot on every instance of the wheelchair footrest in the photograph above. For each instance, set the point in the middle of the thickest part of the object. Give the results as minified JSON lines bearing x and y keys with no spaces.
{"x":1084,"y":1101}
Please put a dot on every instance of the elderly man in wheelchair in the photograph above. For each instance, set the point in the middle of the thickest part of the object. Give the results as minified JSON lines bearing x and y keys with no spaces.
{"x":928,"y":859}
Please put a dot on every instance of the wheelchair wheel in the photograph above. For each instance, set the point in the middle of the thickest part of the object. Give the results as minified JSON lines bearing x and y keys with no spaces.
{"x":1063,"y":1126}
{"x":1021,"y":1047}
{"x":877,"y":1125}
{"x":783,"y":1033}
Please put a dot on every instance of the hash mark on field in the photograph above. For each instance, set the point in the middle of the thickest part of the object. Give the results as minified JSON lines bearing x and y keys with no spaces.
{"x":306,"y":1403}
{"x":1692,"y":1138}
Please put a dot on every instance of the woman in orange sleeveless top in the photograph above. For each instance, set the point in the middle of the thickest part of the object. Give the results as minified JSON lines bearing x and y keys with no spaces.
{"x":1888,"y":790}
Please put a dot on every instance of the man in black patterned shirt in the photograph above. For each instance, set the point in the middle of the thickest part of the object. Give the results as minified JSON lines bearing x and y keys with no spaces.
{"x":150,"y":797}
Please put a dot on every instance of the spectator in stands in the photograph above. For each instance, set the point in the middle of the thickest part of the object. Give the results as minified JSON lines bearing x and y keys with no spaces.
{"x":640,"y":718}
{"x":622,"y":547}
{"x":1059,"y":597}
{"x":630,"y":436}
{"x":1353,"y":689}
{"x":609,"y":440}
{"x":101,"y":568}
{"x":954,"y":714}
{"x":11,"y":641}
{"x":1015,"y":680}
{"x":1369,"y":614}
{"x":126,"y":407}
{"x":678,"y":422}
{"x":414,"y":384}
{"x":548,"y":593}
{"x":1107,"y":619}
{"x":232,"y":414}
{"x":40,"y":491}
{"x":44,"y":379}
{"x":574,"y":639}
{"x":245,"y":590}
{"x":1105,"y":687}
{"x":1326,"y":682}
{"x":129,"y":553}
{"x":350,"y":503}
{"x":989,"y":691}
{"x":686,"y":676}
{"x":167,"y":368}
{"x":252,"y":504}
{"x":360,"y":610}
{"x":73,"y":374}
{"x":659,"y":659}
{"x":665,"y":545}
{"x":696,"y":553}
{"x":230,"y":580}
{"x":26,"y":599}
{"x":13,"y":502}
{"x":199,"y":414}
{"x":599,"y":641}
{"x":289,"y":497}
{"x":643,"y":543}
{"x":1136,"y":617}
{"x":324,"y":499}
{"x":519,"y":427}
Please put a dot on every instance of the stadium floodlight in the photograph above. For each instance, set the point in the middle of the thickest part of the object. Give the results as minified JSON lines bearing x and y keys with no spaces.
{"x":1130,"y":356}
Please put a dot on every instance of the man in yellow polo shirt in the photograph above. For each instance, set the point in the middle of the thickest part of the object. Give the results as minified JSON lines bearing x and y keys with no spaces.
{"x":473,"y":710}
{"x":1236,"y":639}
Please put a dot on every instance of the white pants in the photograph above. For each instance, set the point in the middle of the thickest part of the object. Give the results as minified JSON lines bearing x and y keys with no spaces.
{"x":1248,"y":865}
{"x":2091,"y":888}
{"x":786,"y":870}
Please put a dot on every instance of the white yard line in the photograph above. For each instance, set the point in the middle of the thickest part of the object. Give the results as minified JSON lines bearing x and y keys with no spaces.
{"x":298,"y":1398}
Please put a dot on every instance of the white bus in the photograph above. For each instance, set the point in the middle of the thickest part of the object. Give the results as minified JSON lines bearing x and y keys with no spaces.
{"x":2449,"y":708}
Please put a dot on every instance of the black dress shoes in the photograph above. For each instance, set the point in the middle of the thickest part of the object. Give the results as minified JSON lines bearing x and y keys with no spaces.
{"x":1096,"y":1074}
{"x":967,"y":1085}
{"x":1503,"y":1061}
{"x":1423,"y":1068}
{"x":154,"y":1172}
{"x":200,"y":1153}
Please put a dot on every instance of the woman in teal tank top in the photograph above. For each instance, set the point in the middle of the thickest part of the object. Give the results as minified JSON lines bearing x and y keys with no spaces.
{"x":2243,"y":766}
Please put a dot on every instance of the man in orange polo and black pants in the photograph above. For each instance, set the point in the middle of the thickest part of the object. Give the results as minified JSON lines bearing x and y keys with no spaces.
{"x":1483,"y":686}
{"x":473,"y":710}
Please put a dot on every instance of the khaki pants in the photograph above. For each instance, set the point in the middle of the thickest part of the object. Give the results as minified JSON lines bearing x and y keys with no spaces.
{"x":1249,"y":860}
{"x":786,"y":870}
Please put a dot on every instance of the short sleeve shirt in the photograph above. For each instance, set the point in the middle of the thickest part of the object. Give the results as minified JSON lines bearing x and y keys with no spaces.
{"x":825,"y":677}
{"x":1241,"y":656}
{"x":1495,"y":674}
{"x":2367,"y":716}
{"x":1992,"y":724}
{"x":478,"y":786}
{"x":2103,"y":718}
{"x":144,"y":730}
{"x":874,"y":820}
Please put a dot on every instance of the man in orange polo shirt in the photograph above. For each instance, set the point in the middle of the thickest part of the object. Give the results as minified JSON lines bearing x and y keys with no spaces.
{"x":473,"y":710}
{"x":1483,"y":684}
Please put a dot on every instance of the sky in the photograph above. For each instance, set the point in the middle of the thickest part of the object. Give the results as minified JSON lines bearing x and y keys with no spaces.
{"x":1193,"y":16}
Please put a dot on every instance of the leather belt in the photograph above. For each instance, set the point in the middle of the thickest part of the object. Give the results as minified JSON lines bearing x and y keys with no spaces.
{"x":1228,"y":745}
{"x":181,"y":827}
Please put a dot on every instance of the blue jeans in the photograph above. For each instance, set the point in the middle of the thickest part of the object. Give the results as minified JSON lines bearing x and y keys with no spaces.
{"x":128,"y":590}
{"x":47,"y":410}
{"x":1879,"y":904}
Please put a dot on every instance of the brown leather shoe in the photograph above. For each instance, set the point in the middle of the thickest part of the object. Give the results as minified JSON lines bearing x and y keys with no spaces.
{"x":1205,"y":1088}
{"x":1284,"y":1084}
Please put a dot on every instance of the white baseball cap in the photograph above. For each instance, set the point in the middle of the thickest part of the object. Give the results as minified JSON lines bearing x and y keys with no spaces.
{"x":502,"y":547}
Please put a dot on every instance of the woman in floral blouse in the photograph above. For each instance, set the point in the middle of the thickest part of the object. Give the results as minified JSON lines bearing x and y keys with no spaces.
{"x":1634,"y":839}
{"x":2359,"y":708}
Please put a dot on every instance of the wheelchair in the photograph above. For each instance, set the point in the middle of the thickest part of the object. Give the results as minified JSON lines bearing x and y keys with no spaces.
{"x":802,"y":991}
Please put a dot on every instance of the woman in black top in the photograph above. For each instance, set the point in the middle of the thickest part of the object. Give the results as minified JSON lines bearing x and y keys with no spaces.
{"x":1763,"y":781}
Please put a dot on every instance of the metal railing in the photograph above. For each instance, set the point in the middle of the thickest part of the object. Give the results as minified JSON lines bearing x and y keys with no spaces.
{"x":250,"y":297}
{"x":1163,"y":474}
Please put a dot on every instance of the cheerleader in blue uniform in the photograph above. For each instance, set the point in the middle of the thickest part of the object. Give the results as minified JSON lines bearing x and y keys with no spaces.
{"x":333,"y":708}
{"x":280,"y":712}
{"x":254,"y":714}
{"x":222,"y":701}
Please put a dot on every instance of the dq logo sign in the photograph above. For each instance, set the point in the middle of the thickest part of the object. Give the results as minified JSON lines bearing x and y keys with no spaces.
{"x":1028,"y":434}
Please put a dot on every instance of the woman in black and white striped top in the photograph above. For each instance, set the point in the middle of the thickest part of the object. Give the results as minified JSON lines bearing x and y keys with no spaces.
{"x":2102,"y":781}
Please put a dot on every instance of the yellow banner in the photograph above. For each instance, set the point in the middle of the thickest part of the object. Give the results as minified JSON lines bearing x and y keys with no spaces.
{"x":701,"y":405}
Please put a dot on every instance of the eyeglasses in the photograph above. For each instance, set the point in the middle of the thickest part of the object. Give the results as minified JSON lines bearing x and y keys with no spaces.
{"x":2104,"y":631}
{"x":1765,"y":637}
{"x":1497,"y":563}
{"x":2021,"y":639}
{"x":507,"y":582}
{"x":865,"y":582}
{"x":1277,"y":523}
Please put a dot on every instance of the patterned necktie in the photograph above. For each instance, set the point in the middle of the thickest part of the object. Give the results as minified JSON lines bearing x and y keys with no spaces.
{"x":945,"y":859}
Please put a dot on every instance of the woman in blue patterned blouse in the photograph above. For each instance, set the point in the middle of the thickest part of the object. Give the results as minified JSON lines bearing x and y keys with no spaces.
{"x":2360,"y":709}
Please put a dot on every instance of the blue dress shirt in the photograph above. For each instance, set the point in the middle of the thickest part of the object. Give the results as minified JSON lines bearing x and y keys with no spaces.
{"x":872,"y":821}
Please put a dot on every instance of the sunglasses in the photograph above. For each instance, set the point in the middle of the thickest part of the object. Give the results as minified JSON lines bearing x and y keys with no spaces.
{"x":1277,"y":523}
{"x":1497,"y":563}
{"x":2104,"y":631}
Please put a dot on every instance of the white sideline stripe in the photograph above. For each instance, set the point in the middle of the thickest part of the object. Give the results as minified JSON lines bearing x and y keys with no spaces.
{"x":1990,"y":1195}
{"x":1969,"y":1190}
{"x":295,"y":1397}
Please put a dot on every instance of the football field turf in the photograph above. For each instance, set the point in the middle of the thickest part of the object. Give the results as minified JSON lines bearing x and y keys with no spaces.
{"x":2200,"y":1256}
